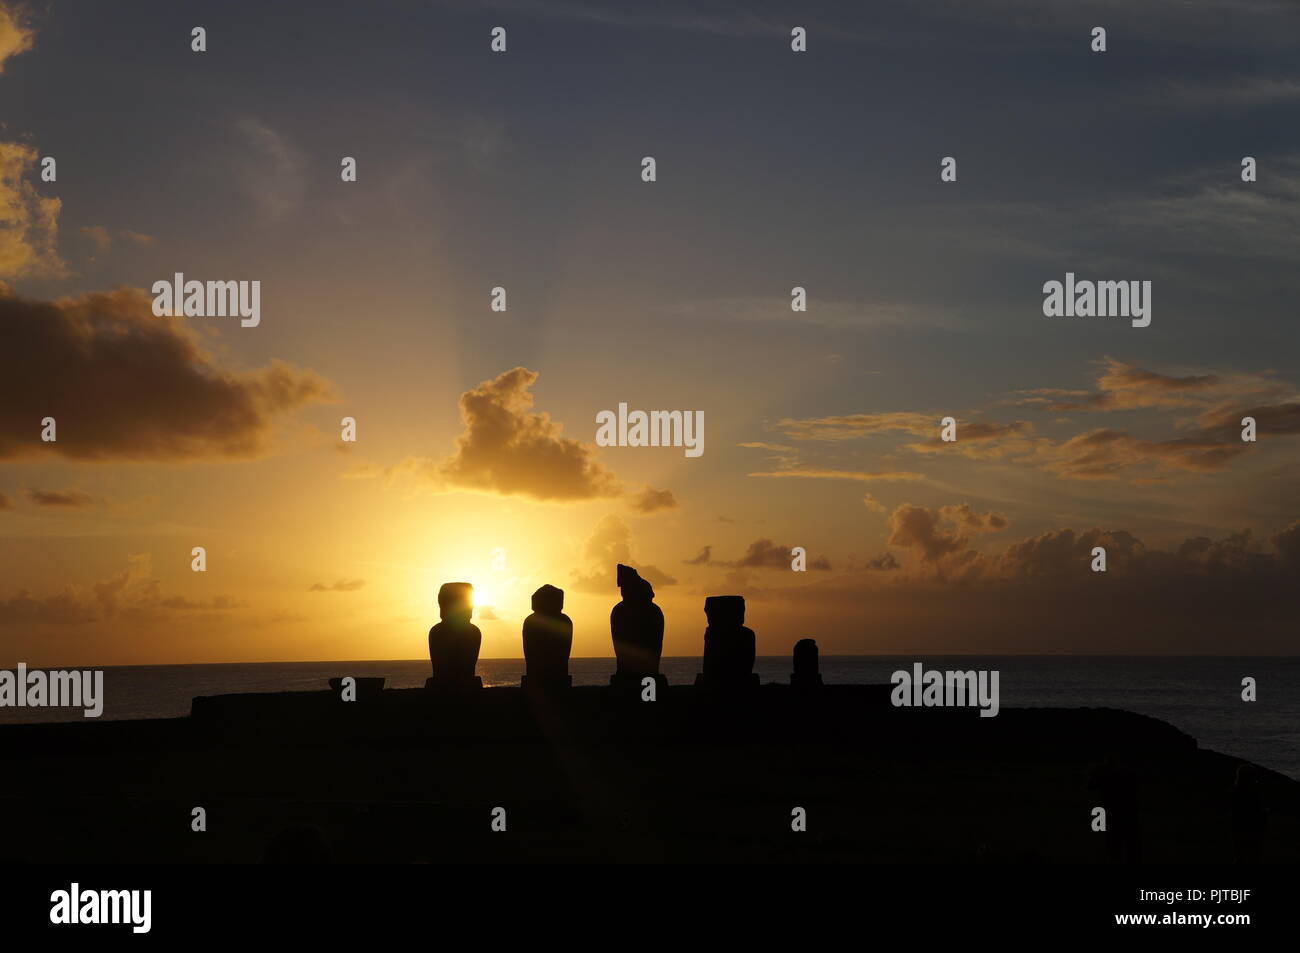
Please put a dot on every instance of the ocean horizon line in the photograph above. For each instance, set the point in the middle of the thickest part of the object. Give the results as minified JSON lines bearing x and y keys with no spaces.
{"x":678,"y":658}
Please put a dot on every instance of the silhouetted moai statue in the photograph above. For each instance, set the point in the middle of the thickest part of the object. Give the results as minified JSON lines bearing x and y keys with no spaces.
{"x":1249,"y":816}
{"x":637,"y":626}
{"x":548,"y":639}
{"x":728,"y":645}
{"x":806,"y":673}
{"x":454,"y":642}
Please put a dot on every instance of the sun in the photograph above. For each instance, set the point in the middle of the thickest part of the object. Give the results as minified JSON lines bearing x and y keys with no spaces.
{"x":482,"y":595}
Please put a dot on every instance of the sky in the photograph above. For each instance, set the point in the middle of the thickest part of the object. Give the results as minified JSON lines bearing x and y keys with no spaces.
{"x":475,"y":455}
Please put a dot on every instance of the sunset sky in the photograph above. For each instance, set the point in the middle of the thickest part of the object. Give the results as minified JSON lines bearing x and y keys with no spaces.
{"x":476,"y":429}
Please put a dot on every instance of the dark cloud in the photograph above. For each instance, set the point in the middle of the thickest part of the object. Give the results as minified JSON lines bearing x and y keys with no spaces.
{"x":982,"y":440}
{"x":1106,"y":454}
{"x":6,"y":503}
{"x":936,"y":533}
{"x":853,"y":426}
{"x":1208,"y":443}
{"x":1065,"y":552}
{"x":943,"y":540}
{"x":866,"y":476}
{"x":69,"y":498}
{"x":1287,"y":544}
{"x":64,"y":608}
{"x":122,"y":384}
{"x":1123,"y":386}
{"x":761,"y":554}
{"x":651,"y":500}
{"x":885,"y":562}
{"x":132,"y":594}
{"x":343,"y":585}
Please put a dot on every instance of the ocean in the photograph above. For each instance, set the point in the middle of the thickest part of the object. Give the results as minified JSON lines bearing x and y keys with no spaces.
{"x":1197,"y":694}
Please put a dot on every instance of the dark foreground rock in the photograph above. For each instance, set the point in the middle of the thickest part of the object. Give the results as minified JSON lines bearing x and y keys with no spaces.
{"x":592,"y":774}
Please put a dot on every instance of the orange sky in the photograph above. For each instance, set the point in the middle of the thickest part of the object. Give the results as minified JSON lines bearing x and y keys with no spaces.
{"x":475,"y":457}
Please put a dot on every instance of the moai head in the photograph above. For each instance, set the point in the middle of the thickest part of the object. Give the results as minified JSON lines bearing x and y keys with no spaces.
{"x":725,"y":611}
{"x":634,"y":588}
{"x":456,"y":601}
{"x":548,"y":600}
{"x":805,"y":657}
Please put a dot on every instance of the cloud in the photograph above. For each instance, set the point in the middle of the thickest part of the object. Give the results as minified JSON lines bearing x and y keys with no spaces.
{"x":1220,"y":400}
{"x":102,"y":238}
{"x":734,"y":23}
{"x":343,"y":585}
{"x":927,"y":530}
{"x":1287,"y":543}
{"x":854,"y":426}
{"x":1280,"y":419}
{"x":1207,"y":216}
{"x":6,"y":503}
{"x":865,"y":476}
{"x":133,"y":595}
{"x":64,"y":608}
{"x":170,"y":401}
{"x":943,"y":540}
{"x":852,"y":315}
{"x":98,"y":236}
{"x":761,"y":554}
{"x":885,"y":562}
{"x":1228,"y":595}
{"x":29,"y":222}
{"x":509,"y":449}
{"x":975,"y":438}
{"x":651,"y":500}
{"x":15,"y":35}
{"x":1105,"y":454}
{"x":1064,"y":552}
{"x":1108,"y":453}
{"x":765,"y":554}
{"x":69,"y":498}
{"x":873,"y":504}
{"x":610,"y":544}
{"x":1241,"y":92}
{"x":1067,"y":553}
{"x":982,"y":440}
{"x":274,"y":174}
{"x":1122,"y":386}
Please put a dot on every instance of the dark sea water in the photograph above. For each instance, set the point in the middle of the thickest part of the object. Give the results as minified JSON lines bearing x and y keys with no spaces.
{"x":1199,"y":695}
